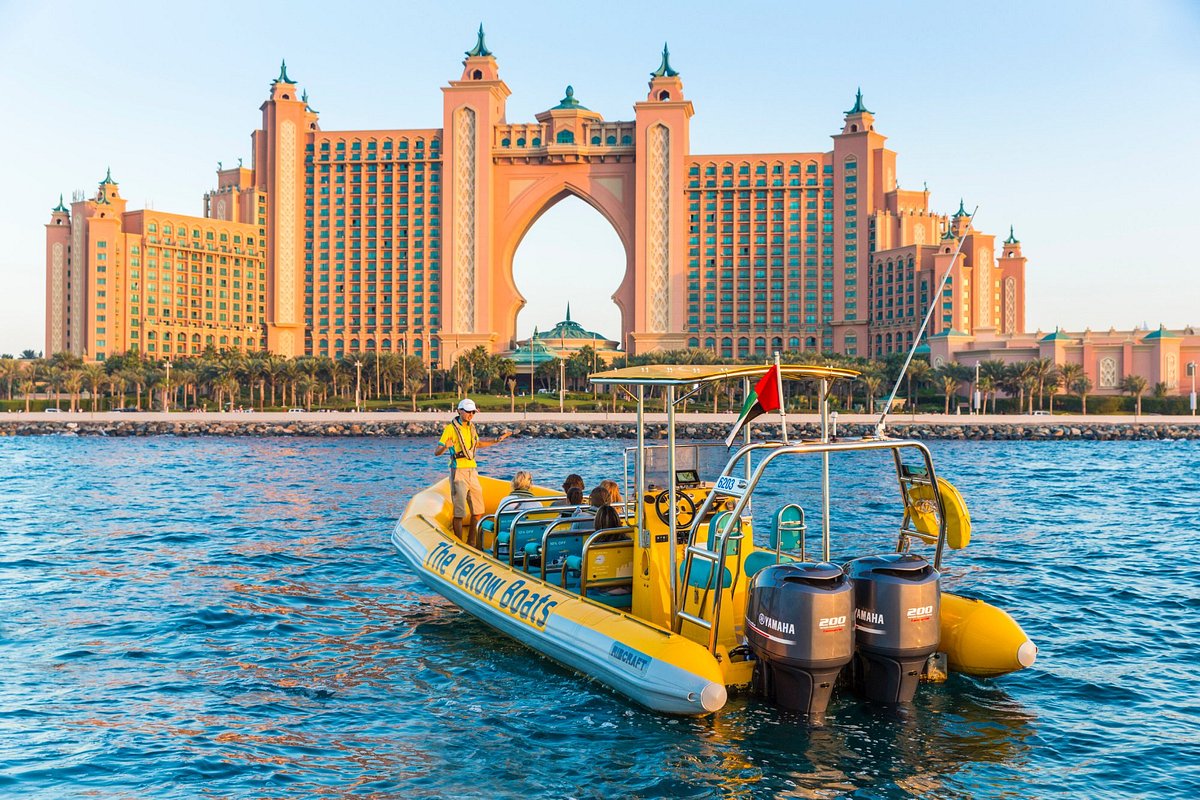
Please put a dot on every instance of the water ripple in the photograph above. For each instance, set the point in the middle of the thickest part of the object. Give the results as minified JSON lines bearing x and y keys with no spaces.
{"x":225,"y":617}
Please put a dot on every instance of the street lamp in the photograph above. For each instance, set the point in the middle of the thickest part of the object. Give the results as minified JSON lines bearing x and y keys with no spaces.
{"x":976,"y":387}
{"x":167,"y":390}
{"x":357,"y":384}
{"x":1191,"y":370}
{"x":562,"y":374}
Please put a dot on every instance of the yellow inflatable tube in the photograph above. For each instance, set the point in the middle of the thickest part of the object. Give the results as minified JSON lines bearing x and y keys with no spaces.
{"x":982,"y":640}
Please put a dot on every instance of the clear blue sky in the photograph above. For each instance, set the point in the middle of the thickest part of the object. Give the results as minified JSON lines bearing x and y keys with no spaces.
{"x":1077,"y":122}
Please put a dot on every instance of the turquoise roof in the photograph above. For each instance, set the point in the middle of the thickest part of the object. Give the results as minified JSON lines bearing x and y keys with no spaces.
{"x":962,"y":211}
{"x":948,"y":332}
{"x":480,"y":48}
{"x":1011,"y":238}
{"x":1161,"y":333}
{"x":60,"y":206}
{"x":569,"y":330}
{"x":922,"y":350}
{"x":283,"y":76}
{"x":664,"y":69}
{"x":108,"y":178}
{"x":859,"y":108}
{"x":1058,"y":335}
{"x":570,"y":102}
{"x":532,"y":352}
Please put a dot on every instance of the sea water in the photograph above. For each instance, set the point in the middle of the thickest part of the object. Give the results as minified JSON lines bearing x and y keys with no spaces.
{"x":225,"y":617}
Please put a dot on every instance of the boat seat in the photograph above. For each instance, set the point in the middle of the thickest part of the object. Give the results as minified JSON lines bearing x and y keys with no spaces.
{"x":785,"y":534}
{"x":701,"y":571}
{"x":524,"y":532}
{"x":764,"y":558}
{"x":699,"y":577}
{"x":605,"y":568}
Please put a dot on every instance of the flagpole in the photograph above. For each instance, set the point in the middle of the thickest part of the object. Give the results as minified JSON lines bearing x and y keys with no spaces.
{"x":825,"y":470}
{"x":782,"y":404}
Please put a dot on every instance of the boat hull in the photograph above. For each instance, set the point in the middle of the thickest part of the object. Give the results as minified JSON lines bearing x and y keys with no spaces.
{"x":981,"y":640}
{"x":661,"y":670}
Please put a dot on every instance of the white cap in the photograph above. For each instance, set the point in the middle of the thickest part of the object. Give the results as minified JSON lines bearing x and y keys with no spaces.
{"x":466,"y":404}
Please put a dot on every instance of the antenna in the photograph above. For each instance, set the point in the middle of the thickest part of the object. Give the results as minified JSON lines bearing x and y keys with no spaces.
{"x":881,"y":425}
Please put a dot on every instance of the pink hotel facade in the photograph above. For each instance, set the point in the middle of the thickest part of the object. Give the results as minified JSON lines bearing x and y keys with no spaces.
{"x":403,"y":240}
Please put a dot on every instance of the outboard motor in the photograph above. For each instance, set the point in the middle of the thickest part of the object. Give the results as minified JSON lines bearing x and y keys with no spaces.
{"x":800,"y":625}
{"x":897,"y":623}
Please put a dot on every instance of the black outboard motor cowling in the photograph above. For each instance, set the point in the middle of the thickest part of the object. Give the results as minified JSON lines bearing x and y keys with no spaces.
{"x":800,"y":624}
{"x":897,"y":623}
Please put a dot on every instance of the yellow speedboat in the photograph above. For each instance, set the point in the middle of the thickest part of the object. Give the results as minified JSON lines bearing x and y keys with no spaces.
{"x":679,"y":606}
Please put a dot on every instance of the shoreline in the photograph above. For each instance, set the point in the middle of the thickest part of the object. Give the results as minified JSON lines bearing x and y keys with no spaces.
{"x":594,"y":425}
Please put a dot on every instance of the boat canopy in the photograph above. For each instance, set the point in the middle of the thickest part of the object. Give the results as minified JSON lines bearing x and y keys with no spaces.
{"x":689,"y":374}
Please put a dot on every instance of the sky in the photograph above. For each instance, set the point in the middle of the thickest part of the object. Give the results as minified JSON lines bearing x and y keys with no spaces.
{"x":1078,"y":123}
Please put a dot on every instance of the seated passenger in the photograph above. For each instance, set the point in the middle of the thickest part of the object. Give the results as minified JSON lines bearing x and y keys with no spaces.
{"x":521,"y":483}
{"x":573,"y":480}
{"x":586,"y":516}
{"x":607,"y":517}
{"x":614,"y":492}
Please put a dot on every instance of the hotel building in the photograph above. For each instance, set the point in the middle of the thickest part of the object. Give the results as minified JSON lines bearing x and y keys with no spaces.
{"x":403,"y":240}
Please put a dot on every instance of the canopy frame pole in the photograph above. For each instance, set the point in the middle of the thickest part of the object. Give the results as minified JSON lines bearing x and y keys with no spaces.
{"x":825,"y":554}
{"x":640,"y":479}
{"x":782,"y":403}
{"x":671,"y":489}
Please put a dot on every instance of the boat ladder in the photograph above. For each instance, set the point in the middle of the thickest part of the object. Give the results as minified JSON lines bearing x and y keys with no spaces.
{"x":713,"y":586}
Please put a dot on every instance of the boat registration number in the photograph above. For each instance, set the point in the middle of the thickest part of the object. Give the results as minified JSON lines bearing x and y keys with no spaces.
{"x":727,"y":484}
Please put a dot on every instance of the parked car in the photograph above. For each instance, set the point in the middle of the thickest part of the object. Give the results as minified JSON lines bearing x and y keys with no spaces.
{"x":1041,"y":413}
{"x":295,"y":411}
{"x":52,"y":410}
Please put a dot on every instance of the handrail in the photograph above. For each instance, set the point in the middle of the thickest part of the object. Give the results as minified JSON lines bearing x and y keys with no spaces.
{"x":512,"y":501}
{"x":591,"y":544}
{"x":520,"y":517}
{"x":777,"y":450}
{"x":551,"y":533}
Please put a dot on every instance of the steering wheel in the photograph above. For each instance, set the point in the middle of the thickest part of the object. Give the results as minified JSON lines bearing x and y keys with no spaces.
{"x":685,"y":509}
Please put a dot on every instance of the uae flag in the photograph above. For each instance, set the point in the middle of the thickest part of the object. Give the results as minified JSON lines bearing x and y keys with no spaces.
{"x":764,"y":399}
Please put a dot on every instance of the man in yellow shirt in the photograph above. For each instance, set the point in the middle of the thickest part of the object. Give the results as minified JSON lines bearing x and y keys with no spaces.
{"x":461,"y":440}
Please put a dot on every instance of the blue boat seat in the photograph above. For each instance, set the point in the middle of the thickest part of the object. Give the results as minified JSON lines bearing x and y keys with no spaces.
{"x":699,"y":577}
{"x":785,"y":534}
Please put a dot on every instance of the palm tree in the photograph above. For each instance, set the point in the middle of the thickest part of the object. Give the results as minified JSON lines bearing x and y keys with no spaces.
{"x":949,"y":389}
{"x":94,"y":375}
{"x":872,"y":384}
{"x":10,"y":370}
{"x":1069,"y":373}
{"x":116,"y":386}
{"x":1052,"y":383}
{"x":28,"y":387}
{"x":1135,"y":385}
{"x":133,"y":375}
{"x":1028,"y":383}
{"x":1040,"y":368}
{"x":1081,"y":386}
{"x":72,"y":381}
{"x":987,"y":387}
{"x":919,"y":371}
{"x":414,"y":384}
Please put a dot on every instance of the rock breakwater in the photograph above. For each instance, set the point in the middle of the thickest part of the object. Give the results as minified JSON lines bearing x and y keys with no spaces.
{"x":600,"y":429}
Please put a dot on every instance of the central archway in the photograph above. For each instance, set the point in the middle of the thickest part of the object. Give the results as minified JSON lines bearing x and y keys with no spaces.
{"x":532,"y":194}
{"x":571,"y":257}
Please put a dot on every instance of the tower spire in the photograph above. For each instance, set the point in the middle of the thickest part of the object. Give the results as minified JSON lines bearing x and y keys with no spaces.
{"x":108,"y":178}
{"x":664,"y":69}
{"x":859,"y":108}
{"x":568,"y":312}
{"x":1012,"y":239}
{"x":480,"y":48}
{"x":60,"y":206}
{"x":962,"y":210}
